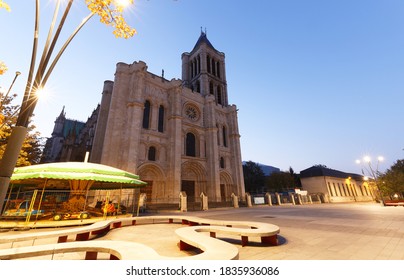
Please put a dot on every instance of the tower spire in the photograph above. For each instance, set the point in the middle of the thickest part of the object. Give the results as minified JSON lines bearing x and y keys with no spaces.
{"x":62,"y":114}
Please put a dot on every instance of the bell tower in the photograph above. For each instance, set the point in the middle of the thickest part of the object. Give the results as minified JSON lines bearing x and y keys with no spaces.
{"x":203,"y":70}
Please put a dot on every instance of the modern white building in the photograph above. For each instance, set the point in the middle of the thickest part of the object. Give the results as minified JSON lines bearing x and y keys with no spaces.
{"x":336,"y":186}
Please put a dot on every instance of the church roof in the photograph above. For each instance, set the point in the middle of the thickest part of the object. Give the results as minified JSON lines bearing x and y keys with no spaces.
{"x":203,"y":38}
{"x":72,"y":126}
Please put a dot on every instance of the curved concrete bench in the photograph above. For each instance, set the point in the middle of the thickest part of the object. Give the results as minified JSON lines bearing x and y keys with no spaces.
{"x":267,"y":232}
{"x":123,"y":250}
{"x":118,"y":250}
{"x":189,"y":237}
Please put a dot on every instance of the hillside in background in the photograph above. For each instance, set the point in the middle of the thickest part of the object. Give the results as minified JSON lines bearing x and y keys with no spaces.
{"x":267,"y":169}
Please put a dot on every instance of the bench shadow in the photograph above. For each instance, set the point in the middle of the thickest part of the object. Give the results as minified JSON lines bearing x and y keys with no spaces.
{"x":235,"y":241}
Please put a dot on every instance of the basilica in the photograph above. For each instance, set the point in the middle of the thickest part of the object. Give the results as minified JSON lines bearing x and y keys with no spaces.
{"x":179,"y":135}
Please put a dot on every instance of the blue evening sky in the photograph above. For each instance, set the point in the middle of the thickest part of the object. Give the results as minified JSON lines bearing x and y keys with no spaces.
{"x":315,"y":82}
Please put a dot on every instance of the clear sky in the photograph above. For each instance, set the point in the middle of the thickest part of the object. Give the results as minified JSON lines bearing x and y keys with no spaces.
{"x":315,"y":82}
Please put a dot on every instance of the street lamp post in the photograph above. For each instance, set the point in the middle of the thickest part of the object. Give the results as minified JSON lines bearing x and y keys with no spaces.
{"x":38,"y":81}
{"x":374,"y":173}
{"x":9,"y":89}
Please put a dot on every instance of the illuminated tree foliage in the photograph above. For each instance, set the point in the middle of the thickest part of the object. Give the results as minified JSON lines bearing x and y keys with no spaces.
{"x":3,"y":67}
{"x":110,"y":13}
{"x":31,"y":150}
{"x":392,"y":181}
{"x":4,"y":5}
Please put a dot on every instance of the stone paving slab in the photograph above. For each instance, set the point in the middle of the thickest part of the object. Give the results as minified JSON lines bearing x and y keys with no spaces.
{"x":356,"y":231}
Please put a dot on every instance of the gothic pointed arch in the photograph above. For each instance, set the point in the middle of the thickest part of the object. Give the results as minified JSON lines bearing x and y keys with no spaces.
{"x":226,"y":185}
{"x":193,"y":179}
{"x":154,"y":176}
{"x":225,"y":177}
{"x":193,"y":170}
{"x":149,"y":171}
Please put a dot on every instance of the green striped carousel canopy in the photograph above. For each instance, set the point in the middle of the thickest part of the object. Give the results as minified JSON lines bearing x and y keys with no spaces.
{"x":73,"y":171}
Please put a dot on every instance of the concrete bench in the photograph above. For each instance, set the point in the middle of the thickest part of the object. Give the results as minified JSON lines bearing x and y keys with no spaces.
{"x":391,"y":203}
{"x":267,"y":232}
{"x":118,"y":250}
{"x":190,"y":237}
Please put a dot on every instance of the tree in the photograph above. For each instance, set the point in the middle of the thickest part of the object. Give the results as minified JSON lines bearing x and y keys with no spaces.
{"x":4,"y":5}
{"x":3,"y":66}
{"x":31,"y":150}
{"x":254,"y":177}
{"x":110,"y":13}
{"x":280,"y":181}
{"x":392,"y":181}
{"x":296,"y":178}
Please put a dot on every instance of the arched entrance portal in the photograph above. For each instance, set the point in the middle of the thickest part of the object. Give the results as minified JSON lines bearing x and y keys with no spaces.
{"x":226,"y":186}
{"x":155,"y":178}
{"x":193,"y":180}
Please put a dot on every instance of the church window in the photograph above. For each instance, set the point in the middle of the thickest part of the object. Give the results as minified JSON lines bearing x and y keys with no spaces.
{"x":213,"y":67}
{"x":190,"y":148}
{"x":224,"y":136}
{"x":199,"y":64}
{"x":218,"y":69}
{"x":218,"y":135}
{"x":208,"y":63}
{"x":211,"y":88}
{"x":161,"y":119}
{"x":198,"y":86}
{"x":151,"y":155}
{"x":146,"y":115}
{"x":219,"y":95}
{"x":221,"y":162}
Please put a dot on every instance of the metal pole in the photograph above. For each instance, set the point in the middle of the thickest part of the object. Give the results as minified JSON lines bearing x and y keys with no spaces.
{"x":9,"y":89}
{"x":19,"y":132}
{"x":10,"y":158}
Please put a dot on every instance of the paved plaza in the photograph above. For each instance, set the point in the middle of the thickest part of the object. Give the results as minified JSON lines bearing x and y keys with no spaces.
{"x":325,"y":231}
{"x":355,"y":231}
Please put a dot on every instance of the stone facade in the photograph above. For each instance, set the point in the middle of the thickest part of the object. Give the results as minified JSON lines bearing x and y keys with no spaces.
{"x":336,"y":186}
{"x":178,"y":135}
{"x":66,"y":140}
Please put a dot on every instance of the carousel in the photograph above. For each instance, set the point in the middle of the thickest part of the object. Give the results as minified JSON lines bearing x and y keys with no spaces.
{"x":70,"y":191}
